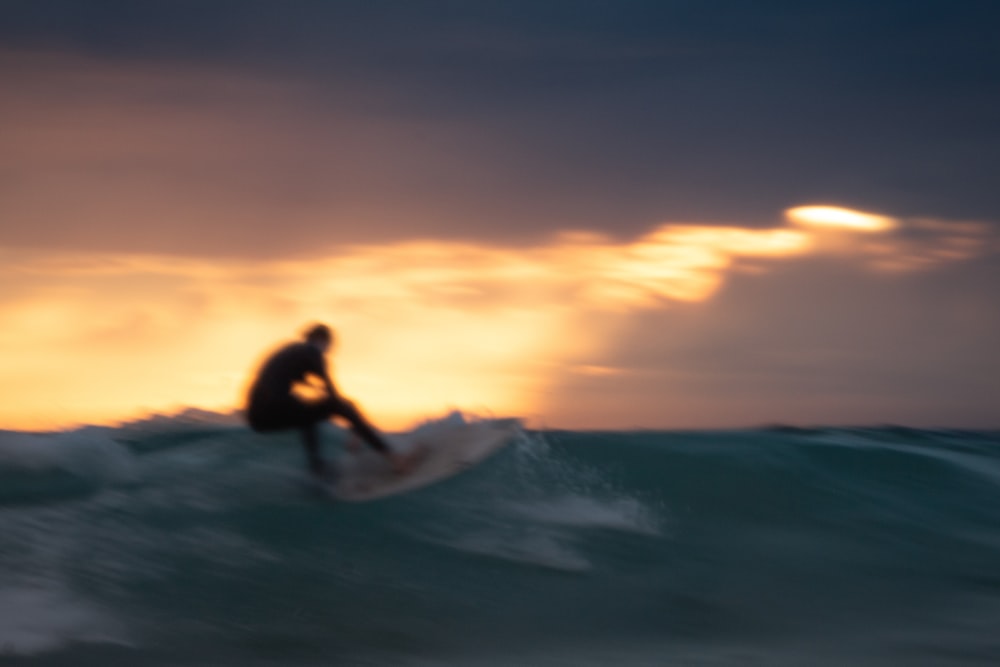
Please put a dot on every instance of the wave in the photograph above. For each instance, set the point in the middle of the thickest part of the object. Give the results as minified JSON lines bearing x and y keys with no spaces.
{"x":37,"y":620}
{"x":44,"y":467}
{"x":580,"y":511}
{"x":726,"y":543}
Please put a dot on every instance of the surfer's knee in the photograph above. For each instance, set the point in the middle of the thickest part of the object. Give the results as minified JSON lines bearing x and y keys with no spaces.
{"x":344,"y":407}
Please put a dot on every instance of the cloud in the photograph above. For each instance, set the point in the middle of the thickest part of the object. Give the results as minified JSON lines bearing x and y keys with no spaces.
{"x":838,"y":218}
{"x":914,"y":244}
{"x":817,"y":340}
{"x":208,"y":156}
{"x":174,"y":158}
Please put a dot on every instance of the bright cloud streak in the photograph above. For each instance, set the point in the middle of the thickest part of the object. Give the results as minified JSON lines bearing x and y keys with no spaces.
{"x":835,"y":217}
{"x":423,"y":326}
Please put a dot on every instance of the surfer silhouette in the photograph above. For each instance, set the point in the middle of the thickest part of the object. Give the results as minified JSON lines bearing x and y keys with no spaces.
{"x":272,"y":405}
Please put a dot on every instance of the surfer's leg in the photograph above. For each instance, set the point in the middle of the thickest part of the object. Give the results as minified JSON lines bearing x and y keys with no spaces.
{"x":291,"y":413}
{"x":310,"y":439}
{"x":360,"y":425}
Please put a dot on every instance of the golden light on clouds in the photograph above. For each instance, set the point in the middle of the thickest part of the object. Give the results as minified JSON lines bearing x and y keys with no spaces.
{"x":674,"y":262}
{"x":423,"y":326}
{"x":836,"y":217}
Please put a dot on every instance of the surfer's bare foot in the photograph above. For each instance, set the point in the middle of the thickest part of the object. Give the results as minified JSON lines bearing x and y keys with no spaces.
{"x":402,"y":463}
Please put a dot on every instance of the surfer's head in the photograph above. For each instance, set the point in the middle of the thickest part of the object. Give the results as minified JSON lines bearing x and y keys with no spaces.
{"x":320,"y":335}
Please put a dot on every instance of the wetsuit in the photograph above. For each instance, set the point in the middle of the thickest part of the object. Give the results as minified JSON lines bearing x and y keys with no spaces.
{"x":273,"y":407}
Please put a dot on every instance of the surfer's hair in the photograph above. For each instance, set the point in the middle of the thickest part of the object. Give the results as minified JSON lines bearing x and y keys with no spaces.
{"x":319,"y":333}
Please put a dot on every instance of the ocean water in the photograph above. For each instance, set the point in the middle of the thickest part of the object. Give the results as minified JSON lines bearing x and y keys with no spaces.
{"x":191,"y":541}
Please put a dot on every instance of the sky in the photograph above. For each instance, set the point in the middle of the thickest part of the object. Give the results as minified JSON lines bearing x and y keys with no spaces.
{"x":588,"y":214}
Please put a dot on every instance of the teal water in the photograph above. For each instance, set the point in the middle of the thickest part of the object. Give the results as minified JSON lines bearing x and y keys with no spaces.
{"x":187,"y":541}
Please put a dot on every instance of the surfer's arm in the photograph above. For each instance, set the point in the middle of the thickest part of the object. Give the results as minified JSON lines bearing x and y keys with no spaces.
{"x":324,"y":375}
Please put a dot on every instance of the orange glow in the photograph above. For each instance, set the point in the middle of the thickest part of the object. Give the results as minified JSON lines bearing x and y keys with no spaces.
{"x":423,"y":326}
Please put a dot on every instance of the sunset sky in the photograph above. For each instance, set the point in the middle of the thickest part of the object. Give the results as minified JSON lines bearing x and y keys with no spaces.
{"x":589,"y":214}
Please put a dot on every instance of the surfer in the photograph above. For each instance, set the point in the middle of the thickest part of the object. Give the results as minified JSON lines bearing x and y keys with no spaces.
{"x":272,"y":406}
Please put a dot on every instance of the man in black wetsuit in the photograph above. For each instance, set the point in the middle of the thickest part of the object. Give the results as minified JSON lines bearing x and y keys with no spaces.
{"x":273,"y":407}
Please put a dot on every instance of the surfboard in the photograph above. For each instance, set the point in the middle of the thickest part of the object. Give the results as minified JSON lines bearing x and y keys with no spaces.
{"x":449,"y":448}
